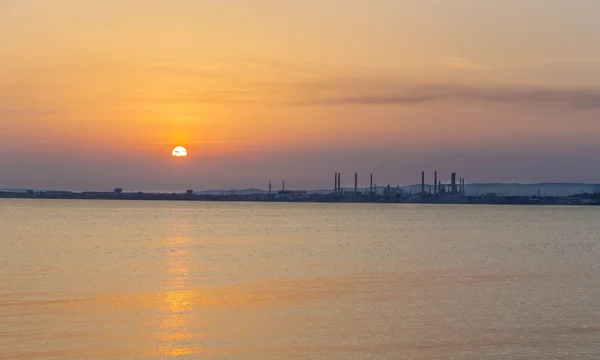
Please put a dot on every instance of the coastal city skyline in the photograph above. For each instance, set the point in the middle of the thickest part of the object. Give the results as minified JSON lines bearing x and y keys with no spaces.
{"x":96,"y":95}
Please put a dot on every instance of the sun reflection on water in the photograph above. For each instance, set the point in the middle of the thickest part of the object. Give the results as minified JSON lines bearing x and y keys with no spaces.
{"x":175,"y":337}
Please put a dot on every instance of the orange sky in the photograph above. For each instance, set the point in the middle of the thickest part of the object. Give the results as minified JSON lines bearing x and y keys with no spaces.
{"x":96,"y":94}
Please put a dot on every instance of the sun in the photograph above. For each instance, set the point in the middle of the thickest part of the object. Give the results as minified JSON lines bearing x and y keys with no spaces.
{"x":180,"y":151}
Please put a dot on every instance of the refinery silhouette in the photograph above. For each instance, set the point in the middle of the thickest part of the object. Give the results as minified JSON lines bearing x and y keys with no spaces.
{"x":456,"y":191}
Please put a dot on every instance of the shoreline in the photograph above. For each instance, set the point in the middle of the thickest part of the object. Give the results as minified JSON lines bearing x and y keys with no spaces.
{"x":376,"y":199}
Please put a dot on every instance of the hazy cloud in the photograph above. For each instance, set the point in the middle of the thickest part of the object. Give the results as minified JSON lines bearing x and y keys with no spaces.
{"x":248,"y":80}
{"x":20,"y":112}
{"x":374,"y":92}
{"x":460,"y":63}
{"x":200,"y":142}
{"x":570,"y":63}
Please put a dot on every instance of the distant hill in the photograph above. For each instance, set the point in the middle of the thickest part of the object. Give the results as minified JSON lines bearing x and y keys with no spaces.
{"x":17,"y":190}
{"x":233,"y":192}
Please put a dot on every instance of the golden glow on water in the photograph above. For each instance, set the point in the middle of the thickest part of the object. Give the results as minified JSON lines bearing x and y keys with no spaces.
{"x":162,"y":280}
{"x":174,"y":335}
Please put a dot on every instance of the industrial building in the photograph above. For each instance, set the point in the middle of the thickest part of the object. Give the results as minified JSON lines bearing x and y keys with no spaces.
{"x":289,"y":195}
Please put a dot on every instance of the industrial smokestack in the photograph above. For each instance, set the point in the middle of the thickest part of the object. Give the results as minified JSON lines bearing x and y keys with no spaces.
{"x":283,"y":185}
{"x":371,"y":191}
{"x":453,"y":183}
{"x":422,"y":182}
{"x":355,"y":184}
{"x":335,"y":183}
{"x":269,"y":187}
{"x":435,"y":185}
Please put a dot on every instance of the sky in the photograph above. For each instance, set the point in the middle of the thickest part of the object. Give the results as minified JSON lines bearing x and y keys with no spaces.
{"x":95,"y":94}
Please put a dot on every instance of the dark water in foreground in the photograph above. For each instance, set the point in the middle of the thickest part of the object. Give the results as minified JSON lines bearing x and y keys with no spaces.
{"x":158,"y":280}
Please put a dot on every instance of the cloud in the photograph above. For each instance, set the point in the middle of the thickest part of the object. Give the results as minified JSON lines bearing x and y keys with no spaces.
{"x":569,"y":63}
{"x":378,"y":91}
{"x":255,"y":81}
{"x":460,"y":63}
{"x":22,"y":112}
{"x":200,"y":142}
{"x":385,"y":92}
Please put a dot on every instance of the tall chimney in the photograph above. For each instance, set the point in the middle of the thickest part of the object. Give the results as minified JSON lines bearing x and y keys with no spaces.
{"x":269,"y":187}
{"x":453,"y":183}
{"x":435,"y":184}
{"x":371,"y":184}
{"x":355,"y":184}
{"x":422,"y":182}
{"x":283,"y":185}
{"x":335,"y":183}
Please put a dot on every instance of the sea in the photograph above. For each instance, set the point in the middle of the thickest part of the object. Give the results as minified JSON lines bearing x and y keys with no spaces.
{"x":242,"y":280}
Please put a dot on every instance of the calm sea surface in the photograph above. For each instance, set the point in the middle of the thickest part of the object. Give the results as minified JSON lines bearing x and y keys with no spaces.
{"x":161,"y":280}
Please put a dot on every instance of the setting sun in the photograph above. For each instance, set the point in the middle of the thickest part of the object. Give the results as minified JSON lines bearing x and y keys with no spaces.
{"x":179,"y":151}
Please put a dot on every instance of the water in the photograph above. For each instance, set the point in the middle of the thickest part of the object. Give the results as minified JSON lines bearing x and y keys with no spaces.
{"x":160,"y":280}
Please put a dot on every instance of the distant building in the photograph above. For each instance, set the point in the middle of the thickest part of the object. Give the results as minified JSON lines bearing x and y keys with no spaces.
{"x":51,"y":194}
{"x":118,"y":191}
{"x":393,"y":191}
{"x":292,"y":195}
{"x":259,"y":197}
{"x":98,"y":194}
